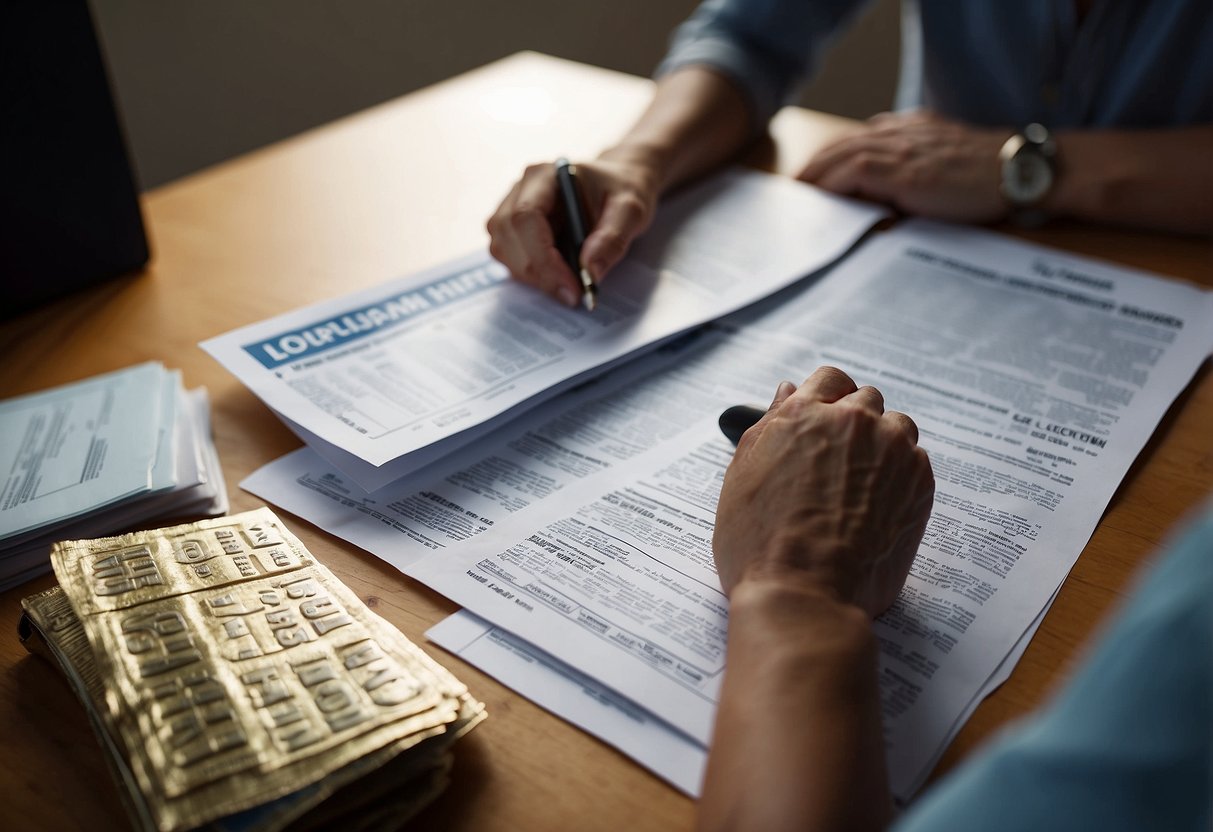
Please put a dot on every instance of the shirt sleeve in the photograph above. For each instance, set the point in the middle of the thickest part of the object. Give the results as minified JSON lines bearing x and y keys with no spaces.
{"x":765,"y":47}
{"x":1128,"y":744}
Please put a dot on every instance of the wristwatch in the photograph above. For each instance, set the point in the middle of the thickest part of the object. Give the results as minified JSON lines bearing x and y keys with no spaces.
{"x":1029,"y":167}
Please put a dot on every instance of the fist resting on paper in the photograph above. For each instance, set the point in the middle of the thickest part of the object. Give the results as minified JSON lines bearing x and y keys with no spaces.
{"x":826,"y":487}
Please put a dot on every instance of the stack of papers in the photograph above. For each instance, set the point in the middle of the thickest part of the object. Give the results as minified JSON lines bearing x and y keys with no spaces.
{"x":100,"y":456}
{"x":579,"y":536}
{"x":386,"y":381}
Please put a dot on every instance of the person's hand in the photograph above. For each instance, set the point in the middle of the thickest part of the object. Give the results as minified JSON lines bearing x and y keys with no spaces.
{"x":920,"y":163}
{"x":620,"y":196}
{"x":829,"y":488}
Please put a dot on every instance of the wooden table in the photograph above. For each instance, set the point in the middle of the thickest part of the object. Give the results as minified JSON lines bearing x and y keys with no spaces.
{"x":386,"y":192}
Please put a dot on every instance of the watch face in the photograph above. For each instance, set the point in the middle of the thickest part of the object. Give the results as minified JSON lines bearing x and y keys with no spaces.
{"x":1026,"y":177}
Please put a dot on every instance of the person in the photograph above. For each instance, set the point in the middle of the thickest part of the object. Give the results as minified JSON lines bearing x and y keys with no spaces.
{"x":1119,"y":96}
{"x":820,"y":514}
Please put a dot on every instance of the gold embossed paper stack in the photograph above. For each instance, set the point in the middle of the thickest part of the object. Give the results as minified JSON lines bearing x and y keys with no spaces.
{"x":237,"y":684}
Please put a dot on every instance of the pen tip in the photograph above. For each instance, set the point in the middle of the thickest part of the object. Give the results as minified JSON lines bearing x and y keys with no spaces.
{"x":589,"y":294}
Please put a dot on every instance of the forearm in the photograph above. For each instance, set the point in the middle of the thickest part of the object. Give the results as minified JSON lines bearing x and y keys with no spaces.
{"x":697,"y":121}
{"x":1151,"y":178}
{"x":798,"y":741}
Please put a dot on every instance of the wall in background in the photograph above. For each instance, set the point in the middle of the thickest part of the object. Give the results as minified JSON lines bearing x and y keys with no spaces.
{"x":198,"y":83}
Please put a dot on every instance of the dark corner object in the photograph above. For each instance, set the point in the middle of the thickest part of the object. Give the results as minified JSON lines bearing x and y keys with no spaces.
{"x":739,"y":418}
{"x":69,"y":210}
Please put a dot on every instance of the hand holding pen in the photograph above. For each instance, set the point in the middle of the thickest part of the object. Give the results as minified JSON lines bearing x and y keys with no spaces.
{"x":533,"y":230}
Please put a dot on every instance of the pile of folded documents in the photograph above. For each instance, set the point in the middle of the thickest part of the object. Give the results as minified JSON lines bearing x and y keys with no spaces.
{"x":387,"y":380}
{"x":235,"y":683}
{"x":101,"y":456}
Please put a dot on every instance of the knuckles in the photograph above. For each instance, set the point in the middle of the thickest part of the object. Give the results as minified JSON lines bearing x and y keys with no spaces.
{"x":921,"y":177}
{"x":827,"y":372}
{"x":524,"y":217}
{"x":611,"y":243}
{"x":632,"y":205}
{"x":537,"y":169}
{"x":902,"y":150}
{"x":866,"y":163}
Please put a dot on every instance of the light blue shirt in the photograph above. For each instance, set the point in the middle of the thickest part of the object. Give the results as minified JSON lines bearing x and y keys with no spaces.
{"x":1128,"y":745}
{"x":1131,"y":63}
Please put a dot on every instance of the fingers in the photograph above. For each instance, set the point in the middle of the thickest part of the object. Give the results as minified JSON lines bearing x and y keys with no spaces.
{"x":826,"y":384}
{"x":870,"y":167}
{"x":522,"y":237}
{"x":886,"y":138}
{"x":869,"y":174}
{"x":826,"y":158}
{"x":751,"y":434}
{"x":904,"y":424}
{"x":884,"y":118}
{"x":873,"y":162}
{"x":873,"y":142}
{"x":830,"y":385}
{"x":919,"y":163}
{"x":867,"y":397}
{"x":871,"y":399}
{"x":904,"y":117}
{"x":785,"y":389}
{"x":623,"y":218}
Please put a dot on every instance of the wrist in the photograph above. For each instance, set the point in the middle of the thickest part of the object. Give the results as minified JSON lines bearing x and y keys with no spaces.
{"x":652,"y":160}
{"x":784,"y":607}
{"x":798,"y":742}
{"x":787,"y":561}
{"x":1094,"y":179}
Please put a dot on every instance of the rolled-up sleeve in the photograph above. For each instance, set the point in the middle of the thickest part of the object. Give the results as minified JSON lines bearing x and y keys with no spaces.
{"x":766,"y":47}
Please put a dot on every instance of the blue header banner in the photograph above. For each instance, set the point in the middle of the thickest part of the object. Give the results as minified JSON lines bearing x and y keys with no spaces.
{"x":306,"y":341}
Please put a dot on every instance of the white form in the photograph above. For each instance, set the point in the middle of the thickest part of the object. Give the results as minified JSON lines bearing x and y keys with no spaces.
{"x":183,"y":451}
{"x":73,"y":449}
{"x":391,"y":370}
{"x":1035,"y":377}
{"x":587,"y":703}
{"x":585,"y":434}
{"x":372,"y":478}
{"x":577,"y":698}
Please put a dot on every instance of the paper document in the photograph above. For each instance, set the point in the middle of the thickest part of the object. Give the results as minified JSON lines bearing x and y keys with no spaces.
{"x":618,"y":721}
{"x":1035,"y":378}
{"x":72,"y":449}
{"x":97,"y":456}
{"x":373,"y":377}
{"x":576,"y":697}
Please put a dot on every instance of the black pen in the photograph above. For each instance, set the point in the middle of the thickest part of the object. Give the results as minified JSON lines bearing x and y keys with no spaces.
{"x":577,"y":228}
{"x":738,"y":419}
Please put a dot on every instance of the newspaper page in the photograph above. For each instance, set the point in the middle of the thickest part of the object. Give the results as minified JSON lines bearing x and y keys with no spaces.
{"x":391,"y":370}
{"x":1035,"y":377}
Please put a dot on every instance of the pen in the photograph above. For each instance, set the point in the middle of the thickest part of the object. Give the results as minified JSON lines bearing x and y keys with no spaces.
{"x":738,"y":419}
{"x":576,"y":230}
